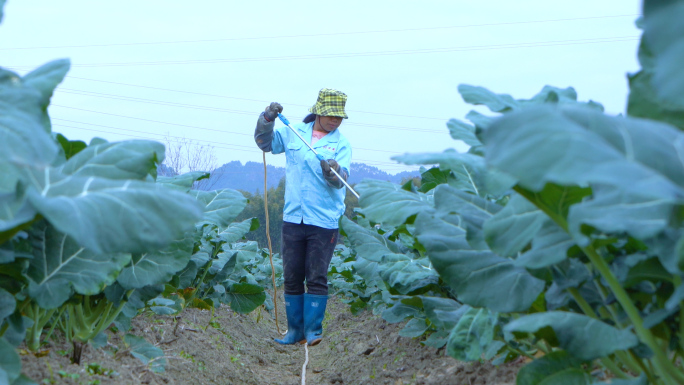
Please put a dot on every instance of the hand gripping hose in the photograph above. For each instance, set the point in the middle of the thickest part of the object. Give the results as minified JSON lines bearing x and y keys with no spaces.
{"x":319,"y":156}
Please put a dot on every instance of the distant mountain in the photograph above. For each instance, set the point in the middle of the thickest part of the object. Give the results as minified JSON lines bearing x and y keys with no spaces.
{"x":250,"y":176}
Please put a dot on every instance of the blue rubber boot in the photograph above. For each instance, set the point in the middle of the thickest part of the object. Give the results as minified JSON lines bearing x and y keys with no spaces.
{"x":314,"y":311}
{"x":294,"y":307}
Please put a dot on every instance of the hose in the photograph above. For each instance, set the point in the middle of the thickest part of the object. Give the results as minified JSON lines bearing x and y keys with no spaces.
{"x":270,"y":249}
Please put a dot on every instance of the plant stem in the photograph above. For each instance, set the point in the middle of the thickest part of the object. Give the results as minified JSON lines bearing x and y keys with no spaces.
{"x":194,"y":293}
{"x":544,"y":348}
{"x":582,"y":303}
{"x":603,"y":292}
{"x":664,"y":367}
{"x":589,"y":311}
{"x":680,"y":336}
{"x":519,"y":352}
{"x":649,"y":373}
{"x":55,"y":322}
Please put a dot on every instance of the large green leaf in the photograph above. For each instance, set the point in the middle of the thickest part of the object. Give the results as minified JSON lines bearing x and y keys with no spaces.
{"x":221,"y":207}
{"x":7,"y":254}
{"x":549,"y":246}
{"x":583,"y":337}
{"x":61,"y":266}
{"x":45,"y":79}
{"x":246,"y":252}
{"x":463,"y":131}
{"x":472,"y":208}
{"x":633,"y":166}
{"x":474,"y":211}
{"x":150,"y":355}
{"x":613,"y":211}
{"x":182,"y":182}
{"x":443,"y":312}
{"x":136,"y":301}
{"x":514,"y":227}
{"x":667,"y":246}
{"x":14,"y":211}
{"x":224,"y":266}
{"x":368,"y":244}
{"x":482,"y":96}
{"x":472,"y":334}
{"x":17,"y":326}
{"x":133,"y":159}
{"x":369,"y":271}
{"x":477,"y":276}
{"x":235,"y":231}
{"x":556,"y":368}
{"x":555,"y":200}
{"x":506,"y":103}
{"x":70,"y":147}
{"x":470,"y":170}
{"x":416,"y":327}
{"x":406,"y":275}
{"x":644,"y":103}
{"x":113,"y":215}
{"x":389,"y":204}
{"x":155,"y":267}
{"x":187,"y":276}
{"x":429,"y":179}
{"x":24,"y":144}
{"x":480,"y":121}
{"x":7,"y":304}
{"x":399,"y":312}
{"x":10,"y":363}
{"x":245,"y":297}
{"x":664,"y":33}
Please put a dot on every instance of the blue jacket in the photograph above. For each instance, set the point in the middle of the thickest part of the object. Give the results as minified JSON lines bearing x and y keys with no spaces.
{"x":308,"y":197}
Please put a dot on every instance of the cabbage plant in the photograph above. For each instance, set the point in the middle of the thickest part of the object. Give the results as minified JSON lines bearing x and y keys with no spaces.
{"x":559,"y":233}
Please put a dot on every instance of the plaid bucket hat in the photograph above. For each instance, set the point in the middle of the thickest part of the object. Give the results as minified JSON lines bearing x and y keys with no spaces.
{"x":330,"y":103}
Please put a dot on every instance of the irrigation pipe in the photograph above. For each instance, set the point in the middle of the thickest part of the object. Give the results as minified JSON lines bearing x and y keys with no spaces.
{"x":270,"y":250}
{"x":306,"y":361}
{"x":275,"y":290}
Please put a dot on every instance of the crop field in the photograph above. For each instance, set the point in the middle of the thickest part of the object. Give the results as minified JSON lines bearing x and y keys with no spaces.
{"x":552,"y":252}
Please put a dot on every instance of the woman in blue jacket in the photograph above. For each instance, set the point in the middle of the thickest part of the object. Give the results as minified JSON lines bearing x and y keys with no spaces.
{"x":314,"y":202}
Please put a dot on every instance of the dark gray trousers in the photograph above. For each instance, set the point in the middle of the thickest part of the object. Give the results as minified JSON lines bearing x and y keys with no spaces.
{"x":307,"y":251}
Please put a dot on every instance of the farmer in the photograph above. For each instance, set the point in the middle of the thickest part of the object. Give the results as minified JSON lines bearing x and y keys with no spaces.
{"x":314,"y":202}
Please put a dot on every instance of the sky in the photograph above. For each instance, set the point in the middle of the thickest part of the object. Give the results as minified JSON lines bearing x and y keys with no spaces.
{"x":204,"y":70}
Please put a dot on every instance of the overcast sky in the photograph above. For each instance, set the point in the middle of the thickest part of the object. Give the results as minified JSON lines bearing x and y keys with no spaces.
{"x":204,"y":70}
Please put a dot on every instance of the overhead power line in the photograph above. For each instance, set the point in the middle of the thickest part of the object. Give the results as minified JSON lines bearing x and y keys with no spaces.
{"x":362,"y":54}
{"x":246,"y":99}
{"x":153,"y":121}
{"x":323,"y":34}
{"x":218,"y":109}
{"x":193,"y":139}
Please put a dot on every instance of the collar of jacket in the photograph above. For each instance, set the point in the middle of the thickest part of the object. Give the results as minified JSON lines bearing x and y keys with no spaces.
{"x":306,"y":131}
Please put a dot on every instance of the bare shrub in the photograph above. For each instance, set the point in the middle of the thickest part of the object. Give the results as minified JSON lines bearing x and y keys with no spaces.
{"x":185,"y":155}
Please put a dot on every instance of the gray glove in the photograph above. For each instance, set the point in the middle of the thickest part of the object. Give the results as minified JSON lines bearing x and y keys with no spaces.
{"x":331,"y":178}
{"x":271,"y":112}
{"x":326,"y":166}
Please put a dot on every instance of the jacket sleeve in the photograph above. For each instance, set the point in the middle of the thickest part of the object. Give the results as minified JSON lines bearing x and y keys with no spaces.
{"x":263,"y":133}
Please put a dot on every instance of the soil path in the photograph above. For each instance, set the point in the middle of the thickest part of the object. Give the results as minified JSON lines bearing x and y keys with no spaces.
{"x":229,"y":348}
